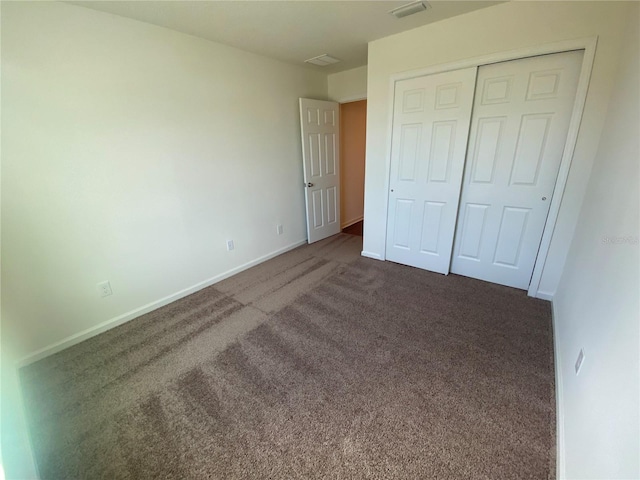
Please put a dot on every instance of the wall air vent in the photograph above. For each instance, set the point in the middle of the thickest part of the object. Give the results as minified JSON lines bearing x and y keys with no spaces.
{"x":323,"y":60}
{"x":410,"y":9}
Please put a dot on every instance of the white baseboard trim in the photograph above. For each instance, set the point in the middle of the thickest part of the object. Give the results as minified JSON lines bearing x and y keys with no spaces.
{"x":125,"y":317}
{"x":28,"y":457}
{"x":351,"y":222}
{"x":560,"y":458}
{"x":375,"y":256}
{"x":544,"y":295}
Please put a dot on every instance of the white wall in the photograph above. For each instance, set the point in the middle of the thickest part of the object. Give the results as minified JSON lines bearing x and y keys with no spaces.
{"x":131,"y":153}
{"x":501,"y":28}
{"x":597,"y":305}
{"x":349,"y":85}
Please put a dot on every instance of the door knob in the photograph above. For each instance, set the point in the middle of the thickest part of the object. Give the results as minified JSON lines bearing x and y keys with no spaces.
{"x":544,"y":198}
{"x":309,"y":184}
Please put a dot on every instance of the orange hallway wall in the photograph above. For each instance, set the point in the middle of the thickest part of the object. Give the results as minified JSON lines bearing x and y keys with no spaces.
{"x":353,"y":119}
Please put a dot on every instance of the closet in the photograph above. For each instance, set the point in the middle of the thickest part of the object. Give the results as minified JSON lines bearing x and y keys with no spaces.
{"x":474,"y":159}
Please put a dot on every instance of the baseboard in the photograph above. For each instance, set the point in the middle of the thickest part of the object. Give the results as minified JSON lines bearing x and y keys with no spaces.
{"x":125,"y":317}
{"x":351,"y":222}
{"x":560,"y":464}
{"x":375,"y":256}
{"x":29,"y":458}
{"x":544,"y":295}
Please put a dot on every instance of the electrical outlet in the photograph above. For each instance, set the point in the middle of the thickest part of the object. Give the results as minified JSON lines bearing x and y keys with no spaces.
{"x":279,"y":229}
{"x":579,"y":361}
{"x":104,"y":289}
{"x":230,"y":245}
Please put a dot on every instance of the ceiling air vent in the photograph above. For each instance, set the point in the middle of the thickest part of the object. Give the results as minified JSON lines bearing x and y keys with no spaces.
{"x":410,"y":9}
{"x":322,"y":60}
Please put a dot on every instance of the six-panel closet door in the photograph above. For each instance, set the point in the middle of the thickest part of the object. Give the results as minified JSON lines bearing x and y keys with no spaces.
{"x":431,"y":120}
{"x":521,"y":116}
{"x":506,"y":130}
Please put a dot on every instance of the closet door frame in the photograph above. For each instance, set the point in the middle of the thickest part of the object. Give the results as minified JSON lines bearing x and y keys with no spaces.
{"x":588,"y":45}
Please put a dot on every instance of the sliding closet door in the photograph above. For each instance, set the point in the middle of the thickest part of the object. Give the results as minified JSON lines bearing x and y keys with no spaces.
{"x":520,"y":121}
{"x":431,"y":119}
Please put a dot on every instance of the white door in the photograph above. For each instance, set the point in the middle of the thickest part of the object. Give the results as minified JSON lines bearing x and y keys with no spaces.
{"x":320,"y":126}
{"x":521,"y":115}
{"x":431,"y":117}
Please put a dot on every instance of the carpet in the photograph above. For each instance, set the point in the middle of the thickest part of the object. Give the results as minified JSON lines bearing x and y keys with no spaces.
{"x":316,"y":364}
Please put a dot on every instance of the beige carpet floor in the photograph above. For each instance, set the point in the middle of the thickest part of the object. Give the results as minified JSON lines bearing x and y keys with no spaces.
{"x":316,"y":364}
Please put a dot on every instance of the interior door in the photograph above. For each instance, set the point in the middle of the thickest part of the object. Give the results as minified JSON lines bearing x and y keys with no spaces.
{"x":431,"y":119}
{"x":320,"y":127}
{"x":521,"y":115}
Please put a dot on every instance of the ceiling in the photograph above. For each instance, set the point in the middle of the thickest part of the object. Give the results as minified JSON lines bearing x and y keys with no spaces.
{"x":291,"y":31}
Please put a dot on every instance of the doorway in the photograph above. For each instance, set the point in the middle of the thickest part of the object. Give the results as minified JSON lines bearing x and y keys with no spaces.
{"x":333,"y":156}
{"x":353,"y":121}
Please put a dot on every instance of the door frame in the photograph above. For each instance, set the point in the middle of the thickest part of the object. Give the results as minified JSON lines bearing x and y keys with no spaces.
{"x":588,"y":45}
